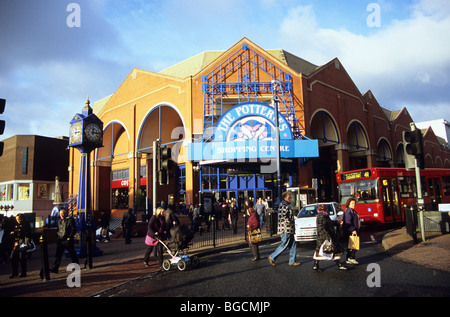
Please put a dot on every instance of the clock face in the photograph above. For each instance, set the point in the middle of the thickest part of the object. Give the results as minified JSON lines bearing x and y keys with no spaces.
{"x":93,"y":132}
{"x":75,"y":133}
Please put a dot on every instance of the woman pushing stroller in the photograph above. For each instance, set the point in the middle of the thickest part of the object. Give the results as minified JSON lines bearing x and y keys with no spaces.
{"x":156,"y":230}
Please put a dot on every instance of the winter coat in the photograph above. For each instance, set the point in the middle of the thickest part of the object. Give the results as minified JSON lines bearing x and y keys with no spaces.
{"x":285,"y":218}
{"x":21,"y":233}
{"x":350,"y":221}
{"x":325,"y":230}
{"x":66,"y":228}
{"x":253,"y":221}
{"x":156,"y":225}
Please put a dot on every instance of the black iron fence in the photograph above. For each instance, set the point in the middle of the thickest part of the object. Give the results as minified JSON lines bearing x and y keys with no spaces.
{"x":218,"y":232}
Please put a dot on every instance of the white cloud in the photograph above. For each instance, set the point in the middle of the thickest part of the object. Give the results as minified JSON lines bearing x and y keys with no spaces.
{"x":406,"y":62}
{"x":51,"y":68}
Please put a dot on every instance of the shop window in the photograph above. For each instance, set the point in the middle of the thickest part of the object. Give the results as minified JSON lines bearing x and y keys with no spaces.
{"x":23,"y":191}
{"x":182,"y":178}
{"x":42,"y":191}
{"x":6,"y":192}
{"x":120,"y":174}
{"x":120,"y":198}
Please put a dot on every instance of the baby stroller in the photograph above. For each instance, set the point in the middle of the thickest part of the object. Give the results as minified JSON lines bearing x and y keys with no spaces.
{"x":179,"y":241}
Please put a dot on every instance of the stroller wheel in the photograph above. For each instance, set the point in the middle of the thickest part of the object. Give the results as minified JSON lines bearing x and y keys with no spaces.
{"x":166,"y":265}
{"x":195,"y":261}
{"x":181,"y":265}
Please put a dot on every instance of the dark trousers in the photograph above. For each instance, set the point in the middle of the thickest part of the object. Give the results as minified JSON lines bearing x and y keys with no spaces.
{"x":127,"y":234}
{"x":19,"y":256}
{"x":255,"y":250}
{"x":350,"y":253}
{"x":159,"y":253}
{"x":61,"y":246}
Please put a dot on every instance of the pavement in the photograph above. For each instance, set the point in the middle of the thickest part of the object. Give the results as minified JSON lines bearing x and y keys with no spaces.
{"x":122,"y":263}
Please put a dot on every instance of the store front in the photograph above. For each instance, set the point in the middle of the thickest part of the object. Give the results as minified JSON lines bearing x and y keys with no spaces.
{"x":240,"y":160}
{"x":216,"y":111}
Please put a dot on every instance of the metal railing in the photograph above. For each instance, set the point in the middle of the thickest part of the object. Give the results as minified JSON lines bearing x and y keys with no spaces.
{"x":219,"y":234}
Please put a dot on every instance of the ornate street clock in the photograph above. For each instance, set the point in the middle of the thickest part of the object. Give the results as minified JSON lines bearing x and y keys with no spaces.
{"x":86,"y":134}
{"x":86,"y":130}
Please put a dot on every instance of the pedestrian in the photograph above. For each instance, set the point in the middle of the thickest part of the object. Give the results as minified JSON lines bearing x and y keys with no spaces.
{"x":21,"y":238}
{"x":196,"y":221}
{"x":326,"y":231}
{"x":253,"y":224}
{"x":128,"y":221}
{"x":225,"y":214}
{"x":171,"y":220}
{"x":350,"y":226}
{"x":234,"y":215}
{"x":64,"y":239}
{"x":156,"y":229}
{"x":260,"y":210}
{"x":104,"y":223}
{"x":3,"y":240}
{"x":286,"y":232}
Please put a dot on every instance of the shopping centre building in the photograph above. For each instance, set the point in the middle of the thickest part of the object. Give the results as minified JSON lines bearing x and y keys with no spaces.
{"x":216,"y":112}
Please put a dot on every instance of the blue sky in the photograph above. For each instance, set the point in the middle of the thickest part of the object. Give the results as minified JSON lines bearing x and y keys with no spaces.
{"x":48,"y":68}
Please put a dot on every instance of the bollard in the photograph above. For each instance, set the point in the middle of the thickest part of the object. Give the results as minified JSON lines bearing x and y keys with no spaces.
{"x":411,"y":223}
{"x":45,"y":270}
{"x":88,"y":261}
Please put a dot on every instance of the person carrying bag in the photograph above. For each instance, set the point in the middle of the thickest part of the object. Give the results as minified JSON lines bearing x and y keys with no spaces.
{"x":327,"y":247}
{"x":254,"y":233}
{"x":351,"y":225}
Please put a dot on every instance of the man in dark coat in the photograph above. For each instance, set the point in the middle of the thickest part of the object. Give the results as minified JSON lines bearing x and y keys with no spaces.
{"x":128,"y":221}
{"x":65,"y":235}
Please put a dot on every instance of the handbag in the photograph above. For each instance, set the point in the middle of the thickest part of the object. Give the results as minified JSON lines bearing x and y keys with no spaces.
{"x":150,"y":241}
{"x":254,"y":236}
{"x":328,"y":246}
{"x":327,"y":256}
{"x":353,"y":242}
{"x":26,"y":245}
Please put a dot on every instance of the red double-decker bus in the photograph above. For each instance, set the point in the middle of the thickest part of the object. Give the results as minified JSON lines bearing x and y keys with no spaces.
{"x":382,"y":194}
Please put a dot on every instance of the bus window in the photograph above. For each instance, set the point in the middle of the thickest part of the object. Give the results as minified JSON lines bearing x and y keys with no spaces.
{"x":364,"y":191}
{"x":407,"y":186}
{"x":446,"y":185}
{"x":423,"y":184}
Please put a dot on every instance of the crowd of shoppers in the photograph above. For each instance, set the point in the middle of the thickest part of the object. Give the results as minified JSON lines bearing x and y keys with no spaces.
{"x":15,"y":236}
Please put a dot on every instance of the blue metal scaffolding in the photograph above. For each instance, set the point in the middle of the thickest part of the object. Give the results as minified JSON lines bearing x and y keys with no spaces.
{"x":237,"y":80}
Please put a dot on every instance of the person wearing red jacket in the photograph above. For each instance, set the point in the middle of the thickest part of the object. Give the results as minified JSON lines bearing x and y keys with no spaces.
{"x":252,"y":224}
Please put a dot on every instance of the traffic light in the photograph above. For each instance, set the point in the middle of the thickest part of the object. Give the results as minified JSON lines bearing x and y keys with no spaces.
{"x":165,"y":164}
{"x":2,"y":124}
{"x":414,"y":145}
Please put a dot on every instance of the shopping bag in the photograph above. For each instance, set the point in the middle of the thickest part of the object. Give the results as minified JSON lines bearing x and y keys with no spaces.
{"x":254,"y":236}
{"x":323,"y":254}
{"x":353,"y":242}
{"x":328,"y":246}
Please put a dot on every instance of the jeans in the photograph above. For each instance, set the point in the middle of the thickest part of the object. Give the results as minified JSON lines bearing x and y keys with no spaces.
{"x":287,"y":241}
{"x":261,"y":220}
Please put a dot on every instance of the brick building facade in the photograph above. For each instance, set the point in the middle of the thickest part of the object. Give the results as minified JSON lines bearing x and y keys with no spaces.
{"x":184,"y":103}
{"x":29,"y":166}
